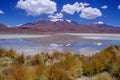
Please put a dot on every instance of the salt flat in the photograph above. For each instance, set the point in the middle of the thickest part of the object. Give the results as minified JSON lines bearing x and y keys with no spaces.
{"x":61,"y":38}
{"x":70,"y":38}
{"x":91,"y":34}
{"x":17,"y":36}
{"x":96,"y":36}
{"x":81,"y":35}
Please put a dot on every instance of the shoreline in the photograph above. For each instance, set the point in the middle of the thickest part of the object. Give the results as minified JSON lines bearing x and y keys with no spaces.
{"x":20,"y":36}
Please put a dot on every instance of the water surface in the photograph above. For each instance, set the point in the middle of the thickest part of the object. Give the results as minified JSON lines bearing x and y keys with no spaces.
{"x":83,"y":47}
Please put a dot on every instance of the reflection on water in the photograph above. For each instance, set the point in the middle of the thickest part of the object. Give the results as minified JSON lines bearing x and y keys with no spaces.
{"x":89,"y":47}
{"x":20,"y":45}
{"x":84,"y":47}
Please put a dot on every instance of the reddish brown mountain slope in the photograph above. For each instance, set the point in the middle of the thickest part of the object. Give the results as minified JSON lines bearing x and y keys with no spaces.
{"x":48,"y":26}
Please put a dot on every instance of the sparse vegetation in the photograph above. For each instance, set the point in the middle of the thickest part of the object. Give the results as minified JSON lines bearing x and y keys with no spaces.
{"x":60,"y":65}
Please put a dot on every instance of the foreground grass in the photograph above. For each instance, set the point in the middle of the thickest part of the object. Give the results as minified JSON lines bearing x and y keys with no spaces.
{"x":60,"y":65}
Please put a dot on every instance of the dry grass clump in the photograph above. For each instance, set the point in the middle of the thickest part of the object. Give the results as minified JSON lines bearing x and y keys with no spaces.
{"x":9,"y":53}
{"x":71,"y":64}
{"x":15,"y":72}
{"x":37,"y":60}
{"x":101,"y":61}
{"x":5,"y":62}
{"x":88,"y":66}
{"x":60,"y":65}
{"x":65,"y":68}
{"x":115,"y":70}
{"x":20,"y":59}
{"x":57,"y":73}
{"x":19,"y":72}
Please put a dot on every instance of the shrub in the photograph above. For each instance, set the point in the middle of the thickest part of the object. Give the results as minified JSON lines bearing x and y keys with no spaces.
{"x":3,"y":52}
{"x":11,"y":53}
{"x":98,"y":64}
{"x":37,"y":60}
{"x":56,"y":54}
{"x":7,"y":53}
{"x":0,"y":76}
{"x":88,"y":66}
{"x":101,"y":61}
{"x":71,"y":64}
{"x":115,"y":70}
{"x":55,"y":73}
{"x":38,"y":72}
{"x":60,"y":65}
{"x":20,"y":59}
{"x":17,"y":72}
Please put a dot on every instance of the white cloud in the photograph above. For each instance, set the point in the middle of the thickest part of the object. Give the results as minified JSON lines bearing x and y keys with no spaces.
{"x":118,"y":6}
{"x":76,"y":7}
{"x":37,"y":7}
{"x":56,"y":17}
{"x":83,"y":9}
{"x":100,"y":22}
{"x":90,"y":13}
{"x":104,"y":7}
{"x":84,"y":4}
{"x":1,"y":12}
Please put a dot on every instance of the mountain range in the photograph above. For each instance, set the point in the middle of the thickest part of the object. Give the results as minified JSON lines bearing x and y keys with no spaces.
{"x":47,"y":26}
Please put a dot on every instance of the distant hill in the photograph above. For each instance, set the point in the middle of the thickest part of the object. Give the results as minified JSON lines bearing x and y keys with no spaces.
{"x":2,"y":26}
{"x":48,"y":26}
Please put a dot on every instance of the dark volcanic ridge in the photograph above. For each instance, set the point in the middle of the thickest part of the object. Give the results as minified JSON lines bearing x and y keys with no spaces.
{"x":47,"y":26}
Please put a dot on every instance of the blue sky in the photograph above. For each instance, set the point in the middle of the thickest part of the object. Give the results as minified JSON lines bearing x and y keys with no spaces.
{"x":15,"y":12}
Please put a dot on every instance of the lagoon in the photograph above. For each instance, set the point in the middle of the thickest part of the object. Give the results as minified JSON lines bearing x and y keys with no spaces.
{"x":81,"y":44}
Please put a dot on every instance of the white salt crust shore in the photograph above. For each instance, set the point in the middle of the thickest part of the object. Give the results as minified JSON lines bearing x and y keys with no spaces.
{"x":17,"y":36}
